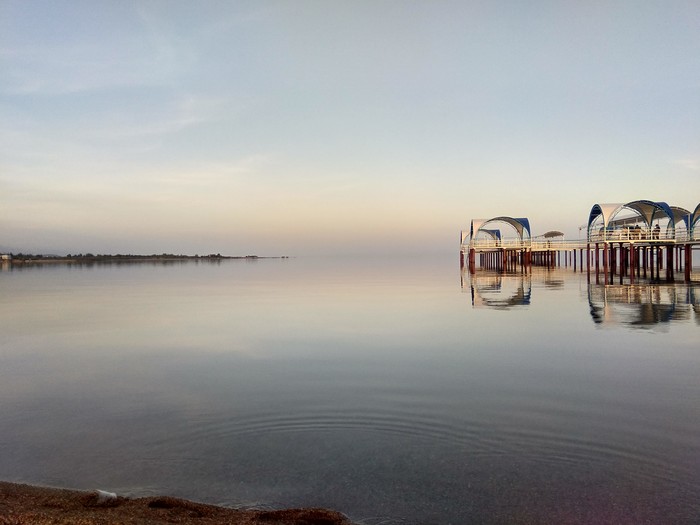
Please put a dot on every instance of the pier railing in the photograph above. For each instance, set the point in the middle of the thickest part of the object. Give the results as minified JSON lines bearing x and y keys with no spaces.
{"x":557,"y":245}
{"x":633,"y":235}
{"x":497,"y":244}
{"x":648,"y":237}
{"x":533,"y":245}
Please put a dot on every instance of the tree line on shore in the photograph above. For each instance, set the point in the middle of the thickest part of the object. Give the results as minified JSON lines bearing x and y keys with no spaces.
{"x":99,"y":256}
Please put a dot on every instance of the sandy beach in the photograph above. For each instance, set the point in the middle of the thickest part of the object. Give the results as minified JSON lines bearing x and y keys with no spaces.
{"x":30,"y":505}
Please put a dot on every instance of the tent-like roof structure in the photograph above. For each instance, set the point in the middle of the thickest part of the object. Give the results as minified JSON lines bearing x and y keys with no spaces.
{"x":695,"y":218}
{"x":521,"y":226}
{"x":495,"y":234}
{"x":681,"y":215}
{"x":646,"y":210}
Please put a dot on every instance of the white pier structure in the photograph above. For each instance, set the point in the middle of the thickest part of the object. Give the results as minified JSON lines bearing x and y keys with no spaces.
{"x":627,"y":239}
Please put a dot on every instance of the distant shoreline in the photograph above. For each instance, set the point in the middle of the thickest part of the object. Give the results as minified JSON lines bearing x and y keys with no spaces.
{"x":33,"y":259}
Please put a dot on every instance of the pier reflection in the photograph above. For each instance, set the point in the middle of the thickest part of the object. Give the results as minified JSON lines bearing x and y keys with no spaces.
{"x":650,"y":304}
{"x":644,"y":305}
{"x":490,"y":289}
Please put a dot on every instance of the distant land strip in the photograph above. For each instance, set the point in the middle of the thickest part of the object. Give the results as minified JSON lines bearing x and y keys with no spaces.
{"x":89,"y":258}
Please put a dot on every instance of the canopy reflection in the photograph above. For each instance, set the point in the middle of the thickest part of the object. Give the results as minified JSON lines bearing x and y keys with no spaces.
{"x":490,"y":289}
{"x":638,"y":305}
{"x":643,"y":305}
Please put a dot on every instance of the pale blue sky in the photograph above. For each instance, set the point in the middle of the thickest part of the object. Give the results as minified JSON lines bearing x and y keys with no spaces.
{"x":301,"y":127}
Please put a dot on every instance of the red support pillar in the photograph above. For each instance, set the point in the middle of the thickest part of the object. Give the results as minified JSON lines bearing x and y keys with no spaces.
{"x":605,"y":258}
{"x":588,"y":261}
{"x":633,"y":262}
{"x":613,"y":259}
{"x":625,"y":260}
{"x":597,"y":257}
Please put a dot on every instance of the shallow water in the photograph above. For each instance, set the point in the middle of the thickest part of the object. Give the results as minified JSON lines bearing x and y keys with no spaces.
{"x":395,"y":391}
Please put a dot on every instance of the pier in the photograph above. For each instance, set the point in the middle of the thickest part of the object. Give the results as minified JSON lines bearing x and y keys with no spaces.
{"x":638,"y":239}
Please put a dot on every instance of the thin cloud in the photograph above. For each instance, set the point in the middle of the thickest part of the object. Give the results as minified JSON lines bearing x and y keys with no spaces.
{"x":183,"y":113}
{"x":61,"y":70}
{"x":689,"y":164}
{"x":148,"y":59}
{"x":212,"y":174}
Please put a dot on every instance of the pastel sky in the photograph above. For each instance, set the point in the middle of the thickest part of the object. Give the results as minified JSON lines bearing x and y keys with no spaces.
{"x":311,"y":127}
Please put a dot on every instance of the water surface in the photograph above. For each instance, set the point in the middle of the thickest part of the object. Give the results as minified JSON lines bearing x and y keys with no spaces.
{"x":395,"y":391}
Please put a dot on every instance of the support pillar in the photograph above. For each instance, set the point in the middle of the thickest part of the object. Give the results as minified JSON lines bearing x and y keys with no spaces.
{"x":633,"y":263}
{"x":605,"y":258}
{"x":597,"y":257}
{"x":588,"y":262}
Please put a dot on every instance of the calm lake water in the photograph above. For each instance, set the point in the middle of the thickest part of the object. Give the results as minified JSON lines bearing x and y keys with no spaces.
{"x":395,"y":391}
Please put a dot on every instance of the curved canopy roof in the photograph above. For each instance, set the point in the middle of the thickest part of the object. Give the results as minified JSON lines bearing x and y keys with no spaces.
{"x":647,"y":210}
{"x":695,"y":217}
{"x":496,"y":234}
{"x":521,"y":225}
{"x":606,"y":210}
{"x":681,"y":214}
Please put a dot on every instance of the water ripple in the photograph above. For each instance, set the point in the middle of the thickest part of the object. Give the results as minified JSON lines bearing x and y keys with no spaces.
{"x":430,"y":428}
{"x":476,"y":437}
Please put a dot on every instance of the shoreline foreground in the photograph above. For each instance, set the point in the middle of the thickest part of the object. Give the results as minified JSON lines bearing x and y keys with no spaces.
{"x":33,"y":505}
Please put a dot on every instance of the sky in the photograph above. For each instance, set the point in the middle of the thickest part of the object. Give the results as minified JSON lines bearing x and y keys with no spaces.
{"x":328,"y":127}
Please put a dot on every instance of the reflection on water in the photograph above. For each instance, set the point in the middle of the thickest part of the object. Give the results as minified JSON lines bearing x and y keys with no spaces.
{"x":497,"y":290}
{"x":82,"y":264}
{"x":644,"y":305}
{"x":641,"y":305}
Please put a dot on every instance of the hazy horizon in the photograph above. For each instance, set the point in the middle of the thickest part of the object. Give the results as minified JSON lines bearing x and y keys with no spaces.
{"x":295,"y":128}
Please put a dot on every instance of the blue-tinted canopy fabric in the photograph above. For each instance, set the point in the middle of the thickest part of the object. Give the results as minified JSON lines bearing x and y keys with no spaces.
{"x":694,"y":220}
{"x":647,"y":211}
{"x":521,"y":226}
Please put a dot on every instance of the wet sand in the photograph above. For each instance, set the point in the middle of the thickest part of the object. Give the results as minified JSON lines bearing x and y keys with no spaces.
{"x":30,"y":505}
